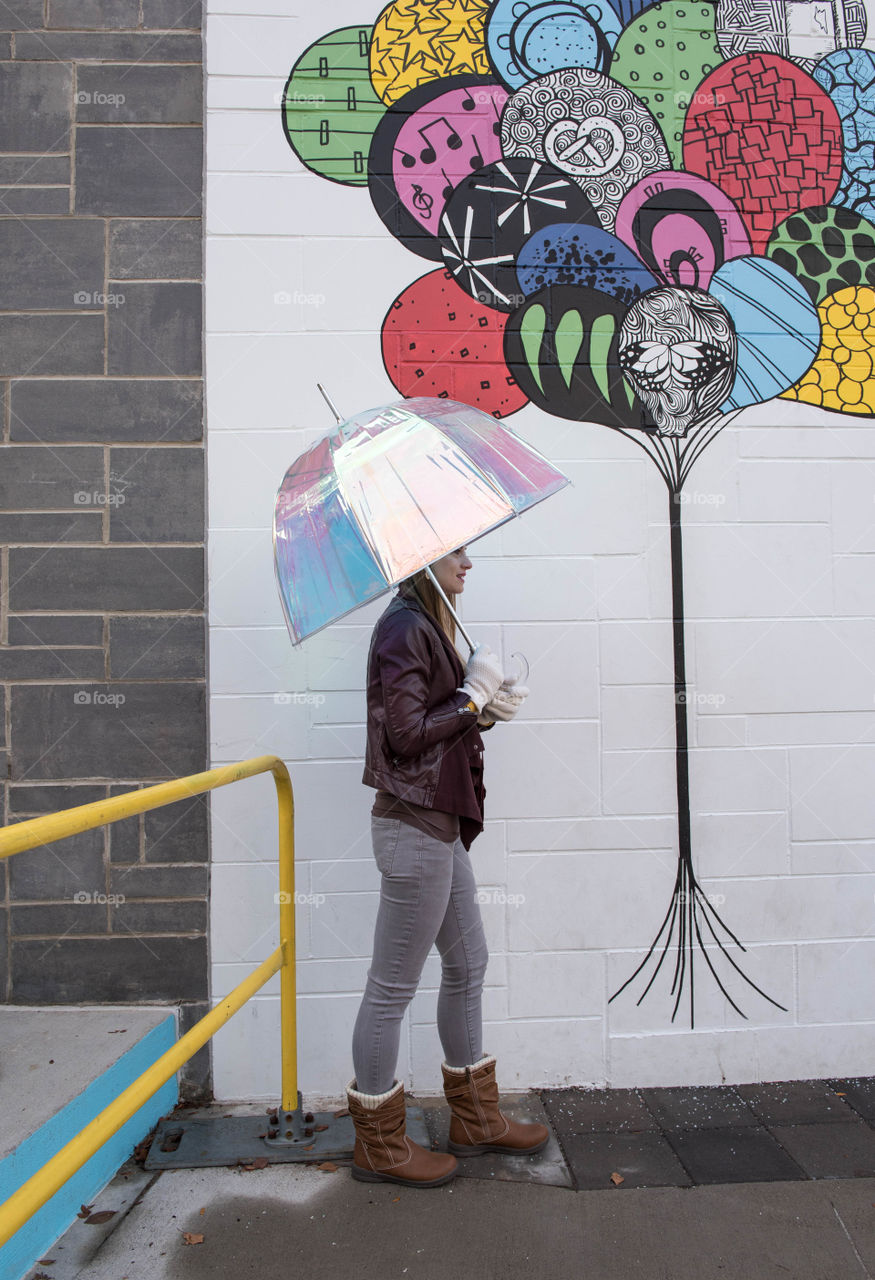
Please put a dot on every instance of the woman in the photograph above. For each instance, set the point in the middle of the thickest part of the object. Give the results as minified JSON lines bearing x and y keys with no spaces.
{"x":424,"y":755}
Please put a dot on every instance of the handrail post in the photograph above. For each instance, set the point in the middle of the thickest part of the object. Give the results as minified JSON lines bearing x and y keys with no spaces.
{"x":288,"y":1020}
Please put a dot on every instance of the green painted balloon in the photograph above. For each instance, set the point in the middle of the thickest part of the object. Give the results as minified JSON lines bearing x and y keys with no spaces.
{"x":826,"y":249}
{"x":663,"y":56}
{"x":330,"y":110}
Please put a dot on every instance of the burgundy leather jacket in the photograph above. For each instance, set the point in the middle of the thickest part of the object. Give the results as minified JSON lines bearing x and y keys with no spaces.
{"x":423,"y":744}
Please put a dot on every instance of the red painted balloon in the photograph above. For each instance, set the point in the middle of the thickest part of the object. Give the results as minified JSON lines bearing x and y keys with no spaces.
{"x":765,"y":132}
{"x":439,"y":341}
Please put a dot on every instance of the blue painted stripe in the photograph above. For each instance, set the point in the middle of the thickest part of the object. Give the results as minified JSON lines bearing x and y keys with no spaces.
{"x":37,"y":1236}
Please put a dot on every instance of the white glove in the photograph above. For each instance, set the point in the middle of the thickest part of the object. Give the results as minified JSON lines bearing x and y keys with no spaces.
{"x":506,"y":702}
{"x":483,"y":675}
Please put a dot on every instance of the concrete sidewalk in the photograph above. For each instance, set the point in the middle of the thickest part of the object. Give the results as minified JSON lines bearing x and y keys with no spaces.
{"x":287,"y":1221}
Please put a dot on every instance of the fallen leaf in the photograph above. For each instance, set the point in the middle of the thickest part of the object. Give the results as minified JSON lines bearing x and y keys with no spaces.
{"x":84,"y":1210}
{"x":344,"y":1111}
{"x":840,"y":1095}
{"x":192,"y":1237}
{"x":327,"y":1166}
{"x":617,"y":1178}
{"x":97,"y":1219}
{"x":319,"y":1127}
{"x":202,"y":1211}
{"x":45,"y":1262}
{"x":397,"y":1198}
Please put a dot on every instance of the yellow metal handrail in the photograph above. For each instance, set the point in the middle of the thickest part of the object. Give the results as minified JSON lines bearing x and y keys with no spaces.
{"x":34,"y":1193}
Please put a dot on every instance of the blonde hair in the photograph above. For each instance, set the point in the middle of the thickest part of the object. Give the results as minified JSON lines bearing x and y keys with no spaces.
{"x":420,"y":584}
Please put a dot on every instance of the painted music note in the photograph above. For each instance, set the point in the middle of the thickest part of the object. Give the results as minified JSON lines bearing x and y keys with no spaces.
{"x":476,"y":160}
{"x":428,"y":155}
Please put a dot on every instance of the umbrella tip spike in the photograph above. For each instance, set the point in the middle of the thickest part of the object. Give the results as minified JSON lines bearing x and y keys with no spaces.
{"x":329,"y":402}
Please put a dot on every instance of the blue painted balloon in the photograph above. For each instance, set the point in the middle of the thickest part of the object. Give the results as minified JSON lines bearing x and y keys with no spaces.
{"x":848,"y":76}
{"x":571,"y":253}
{"x":529,"y":38}
{"x":777,"y":326}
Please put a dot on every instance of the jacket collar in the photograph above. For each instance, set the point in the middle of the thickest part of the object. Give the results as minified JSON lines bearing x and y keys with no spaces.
{"x":413,"y":602}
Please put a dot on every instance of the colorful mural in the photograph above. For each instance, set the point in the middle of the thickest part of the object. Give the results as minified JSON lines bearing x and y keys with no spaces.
{"x":644,"y":215}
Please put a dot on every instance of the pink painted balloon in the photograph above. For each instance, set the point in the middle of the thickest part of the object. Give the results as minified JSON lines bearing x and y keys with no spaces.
{"x":442,"y":143}
{"x":682,"y":227}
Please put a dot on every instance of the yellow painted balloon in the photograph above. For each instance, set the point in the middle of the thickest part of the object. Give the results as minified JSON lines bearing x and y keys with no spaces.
{"x":415,"y":41}
{"x":841,"y":377}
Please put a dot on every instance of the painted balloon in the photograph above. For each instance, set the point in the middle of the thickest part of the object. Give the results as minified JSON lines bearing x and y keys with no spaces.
{"x":803,"y":32}
{"x":678,"y":350}
{"x":330,"y":110}
{"x":682,"y":227}
{"x":528,"y":38}
{"x":849,"y":77}
{"x":766,"y":134}
{"x":491,"y":215}
{"x":776,"y":323}
{"x":567,"y":253}
{"x":826,"y":249}
{"x":842,"y":378}
{"x":415,"y":41}
{"x":591,"y":128}
{"x":663,"y":56}
{"x":437,"y":341}
{"x":424,"y":146}
{"x":562,"y":348}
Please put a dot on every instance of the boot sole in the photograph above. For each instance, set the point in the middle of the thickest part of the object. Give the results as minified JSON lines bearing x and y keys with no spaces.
{"x":368,"y":1175}
{"x":483,"y":1148}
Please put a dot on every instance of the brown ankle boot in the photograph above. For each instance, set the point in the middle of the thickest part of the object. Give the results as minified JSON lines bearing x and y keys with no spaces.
{"x":383,"y":1152}
{"x":477,"y":1125}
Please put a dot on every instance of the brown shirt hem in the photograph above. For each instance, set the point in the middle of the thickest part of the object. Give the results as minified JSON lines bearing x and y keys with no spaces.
{"x":434,"y":822}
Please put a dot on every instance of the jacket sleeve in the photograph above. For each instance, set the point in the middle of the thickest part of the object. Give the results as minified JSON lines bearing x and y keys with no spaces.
{"x":405,"y":658}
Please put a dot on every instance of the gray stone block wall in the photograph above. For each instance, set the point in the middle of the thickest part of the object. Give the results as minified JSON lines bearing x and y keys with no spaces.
{"x":102,"y":573}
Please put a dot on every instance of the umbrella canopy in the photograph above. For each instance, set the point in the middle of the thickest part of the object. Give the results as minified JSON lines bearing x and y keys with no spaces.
{"x":388,"y":492}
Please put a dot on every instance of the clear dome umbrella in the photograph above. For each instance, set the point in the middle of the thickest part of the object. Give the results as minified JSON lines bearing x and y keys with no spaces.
{"x":388,"y":492}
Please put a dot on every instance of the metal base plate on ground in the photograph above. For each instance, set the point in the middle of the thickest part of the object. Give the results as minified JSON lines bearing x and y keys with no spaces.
{"x":198,"y":1142}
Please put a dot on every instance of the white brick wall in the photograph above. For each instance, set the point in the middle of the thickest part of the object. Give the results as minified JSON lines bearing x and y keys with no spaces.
{"x":779,"y":542}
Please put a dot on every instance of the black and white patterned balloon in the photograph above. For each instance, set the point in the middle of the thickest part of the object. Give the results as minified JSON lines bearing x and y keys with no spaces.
{"x":591,"y":128}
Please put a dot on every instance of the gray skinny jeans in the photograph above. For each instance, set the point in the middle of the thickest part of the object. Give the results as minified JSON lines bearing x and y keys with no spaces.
{"x":427,"y":896}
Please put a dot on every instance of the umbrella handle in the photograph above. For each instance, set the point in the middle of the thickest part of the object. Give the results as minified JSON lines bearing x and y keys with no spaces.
{"x":443,"y":596}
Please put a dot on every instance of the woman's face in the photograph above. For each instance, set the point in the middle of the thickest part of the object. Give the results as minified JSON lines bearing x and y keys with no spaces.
{"x":450,"y":571}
